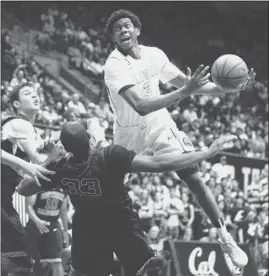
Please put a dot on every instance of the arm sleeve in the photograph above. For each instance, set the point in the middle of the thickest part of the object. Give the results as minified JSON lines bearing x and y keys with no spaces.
{"x":118,"y":75}
{"x":119,"y":159}
{"x":168,"y":70}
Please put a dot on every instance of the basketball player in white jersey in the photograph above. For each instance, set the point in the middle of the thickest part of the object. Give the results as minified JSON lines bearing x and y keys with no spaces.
{"x":34,"y":170}
{"x":142,"y":122}
{"x":14,"y":242}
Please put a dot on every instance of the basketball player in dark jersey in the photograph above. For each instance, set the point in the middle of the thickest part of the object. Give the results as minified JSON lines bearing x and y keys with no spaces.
{"x":104,"y":221}
{"x":14,"y":244}
{"x":44,"y":230}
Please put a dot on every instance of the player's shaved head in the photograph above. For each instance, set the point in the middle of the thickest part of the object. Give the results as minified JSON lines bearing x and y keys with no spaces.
{"x":75,"y":139}
{"x":119,"y":14}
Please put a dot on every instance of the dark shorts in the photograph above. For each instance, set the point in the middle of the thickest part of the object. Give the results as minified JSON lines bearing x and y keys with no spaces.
{"x":93,"y":246}
{"x":14,"y":243}
{"x":47,"y":247}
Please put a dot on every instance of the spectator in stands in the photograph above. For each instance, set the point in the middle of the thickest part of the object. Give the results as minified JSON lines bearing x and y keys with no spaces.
{"x":174,"y":209}
{"x":104,"y":114}
{"x":211,"y":237}
{"x":160,"y":187}
{"x":76,"y":105}
{"x":19,"y":78}
{"x":134,"y":194}
{"x":34,"y":80}
{"x":187,"y":217}
{"x":146,"y":210}
{"x":159,"y":210}
{"x":154,"y":239}
{"x":190,"y":114}
{"x":221,"y":169}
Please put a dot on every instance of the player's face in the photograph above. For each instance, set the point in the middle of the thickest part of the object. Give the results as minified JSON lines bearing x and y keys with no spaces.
{"x":125,"y":34}
{"x":29,"y":99}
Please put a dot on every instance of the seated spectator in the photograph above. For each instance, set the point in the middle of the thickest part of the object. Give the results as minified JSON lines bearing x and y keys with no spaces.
{"x":19,"y":78}
{"x":76,"y":105}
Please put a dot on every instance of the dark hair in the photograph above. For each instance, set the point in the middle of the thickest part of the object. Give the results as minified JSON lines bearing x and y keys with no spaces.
{"x":15,"y":93}
{"x":75,"y":139}
{"x":119,"y":14}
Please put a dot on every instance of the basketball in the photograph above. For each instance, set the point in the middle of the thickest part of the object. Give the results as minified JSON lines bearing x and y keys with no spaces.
{"x":229,"y":72}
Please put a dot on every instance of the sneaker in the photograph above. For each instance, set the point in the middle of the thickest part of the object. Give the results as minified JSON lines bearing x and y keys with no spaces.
{"x":235,"y":271}
{"x":236,"y":254}
{"x":153,"y":267}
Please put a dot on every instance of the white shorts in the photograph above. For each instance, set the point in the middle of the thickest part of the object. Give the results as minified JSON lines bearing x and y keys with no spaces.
{"x":143,"y":140}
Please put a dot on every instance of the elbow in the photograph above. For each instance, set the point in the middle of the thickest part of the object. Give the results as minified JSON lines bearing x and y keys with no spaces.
{"x":141,"y":110}
{"x":142,"y":113}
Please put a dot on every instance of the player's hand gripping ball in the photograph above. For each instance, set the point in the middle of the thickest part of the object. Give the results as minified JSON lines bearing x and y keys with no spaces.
{"x":231,"y":74}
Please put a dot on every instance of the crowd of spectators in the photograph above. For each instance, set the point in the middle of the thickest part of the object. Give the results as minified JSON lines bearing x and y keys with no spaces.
{"x":168,"y":209}
{"x":164,"y":203}
{"x":203,"y":118}
{"x":86,"y":50}
{"x":58,"y":105}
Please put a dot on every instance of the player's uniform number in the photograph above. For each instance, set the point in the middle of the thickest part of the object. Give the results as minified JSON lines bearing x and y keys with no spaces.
{"x":51,"y":203}
{"x":84,"y":187}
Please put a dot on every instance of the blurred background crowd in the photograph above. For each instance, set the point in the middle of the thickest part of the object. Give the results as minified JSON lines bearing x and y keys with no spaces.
{"x":77,"y":35}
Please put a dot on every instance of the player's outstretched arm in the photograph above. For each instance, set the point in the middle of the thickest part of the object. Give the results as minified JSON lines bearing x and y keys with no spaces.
{"x":28,"y":186}
{"x":34,"y":170}
{"x":210,"y":88}
{"x":144,"y":106}
{"x":175,"y":160}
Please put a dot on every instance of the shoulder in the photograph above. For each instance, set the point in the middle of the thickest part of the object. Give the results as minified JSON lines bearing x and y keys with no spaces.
{"x":115,"y":61}
{"x":153,"y":50}
{"x":19,"y":125}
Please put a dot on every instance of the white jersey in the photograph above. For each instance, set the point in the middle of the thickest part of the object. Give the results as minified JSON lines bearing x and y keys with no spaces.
{"x":124,"y":71}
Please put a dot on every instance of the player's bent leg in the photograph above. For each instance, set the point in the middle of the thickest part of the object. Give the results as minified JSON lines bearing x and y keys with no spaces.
{"x":133,"y":251}
{"x":167,"y":140}
{"x":207,"y":201}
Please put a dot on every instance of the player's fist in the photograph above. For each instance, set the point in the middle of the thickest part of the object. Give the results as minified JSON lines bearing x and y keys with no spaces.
{"x":221,"y":143}
{"x":197,"y":80}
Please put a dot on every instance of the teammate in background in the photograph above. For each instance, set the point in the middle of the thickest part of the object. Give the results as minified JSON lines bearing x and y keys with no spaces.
{"x":14,"y":243}
{"x":44,"y":230}
{"x":142,"y":122}
{"x":104,"y":221}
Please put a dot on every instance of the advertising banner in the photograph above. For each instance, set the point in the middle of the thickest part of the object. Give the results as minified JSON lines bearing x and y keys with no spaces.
{"x":194,"y":258}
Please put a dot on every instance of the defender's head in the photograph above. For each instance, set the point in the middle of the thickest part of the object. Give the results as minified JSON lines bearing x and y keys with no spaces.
{"x":75,"y":139}
{"x":124,"y":27}
{"x":24,"y":98}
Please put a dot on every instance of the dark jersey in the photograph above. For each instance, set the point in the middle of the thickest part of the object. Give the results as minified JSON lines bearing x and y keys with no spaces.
{"x":48,"y":204}
{"x":95,"y":187}
{"x":10,"y":177}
